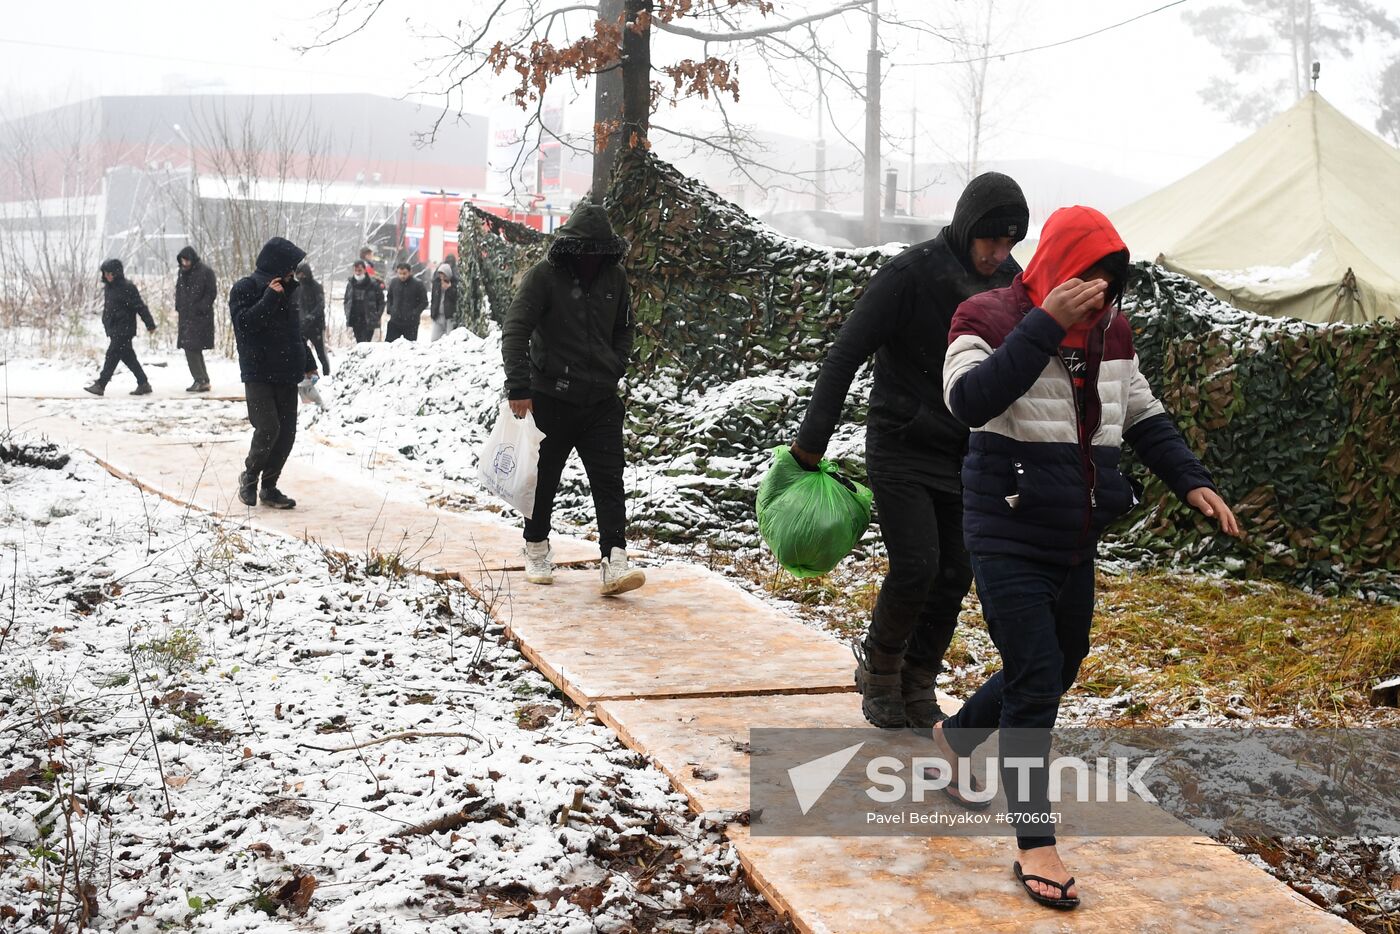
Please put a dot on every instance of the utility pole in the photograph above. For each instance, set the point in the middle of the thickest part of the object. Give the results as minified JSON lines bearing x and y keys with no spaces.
{"x":820,"y":200}
{"x":607,"y":105}
{"x":913,"y":142}
{"x":872,"y":129}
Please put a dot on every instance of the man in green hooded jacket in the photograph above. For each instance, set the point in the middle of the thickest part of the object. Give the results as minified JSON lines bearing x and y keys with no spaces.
{"x":565,"y":343}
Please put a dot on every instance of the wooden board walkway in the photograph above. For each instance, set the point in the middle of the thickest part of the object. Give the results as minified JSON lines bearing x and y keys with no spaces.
{"x":682,"y":669}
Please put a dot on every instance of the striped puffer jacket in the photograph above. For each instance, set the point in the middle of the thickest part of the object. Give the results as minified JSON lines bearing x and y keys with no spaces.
{"x":1037,"y":483}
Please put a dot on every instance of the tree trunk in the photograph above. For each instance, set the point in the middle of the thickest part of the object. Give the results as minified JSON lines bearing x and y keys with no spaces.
{"x":607,"y":105}
{"x":636,"y":75}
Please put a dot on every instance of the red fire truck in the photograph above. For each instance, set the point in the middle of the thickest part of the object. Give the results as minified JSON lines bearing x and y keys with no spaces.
{"x":428,"y":222}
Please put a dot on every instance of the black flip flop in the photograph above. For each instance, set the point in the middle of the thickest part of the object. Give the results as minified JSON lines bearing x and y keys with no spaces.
{"x":1064,"y":902}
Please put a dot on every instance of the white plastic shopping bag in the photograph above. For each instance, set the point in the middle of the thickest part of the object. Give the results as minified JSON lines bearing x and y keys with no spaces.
{"x":508,"y":464}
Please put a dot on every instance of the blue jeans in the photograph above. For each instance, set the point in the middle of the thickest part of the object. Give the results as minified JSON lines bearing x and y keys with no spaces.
{"x":1038,"y":614}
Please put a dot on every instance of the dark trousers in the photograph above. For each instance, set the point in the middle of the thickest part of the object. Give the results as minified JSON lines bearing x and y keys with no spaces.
{"x":364,"y":332}
{"x":595,"y":431}
{"x":397,"y":329}
{"x":1038,"y":615}
{"x":318,"y":344}
{"x":272,"y":411}
{"x":119,"y":350}
{"x":929,"y":574}
{"x":195,"y":358}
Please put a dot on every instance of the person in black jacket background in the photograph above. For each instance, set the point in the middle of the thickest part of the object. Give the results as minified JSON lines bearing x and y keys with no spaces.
{"x":195,"y":291}
{"x":121,"y":304}
{"x":272,"y":359}
{"x":364,"y":303}
{"x":565,"y":344}
{"x":913,"y":446}
{"x":311,"y":303}
{"x":407,"y":299}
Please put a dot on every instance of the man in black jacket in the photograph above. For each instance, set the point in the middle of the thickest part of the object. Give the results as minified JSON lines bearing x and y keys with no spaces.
{"x":272,"y":358}
{"x":311,"y":303}
{"x":407,"y":299}
{"x":195,"y":291}
{"x":913,"y":446}
{"x":121,"y":304}
{"x":364,"y":303}
{"x":565,"y":343}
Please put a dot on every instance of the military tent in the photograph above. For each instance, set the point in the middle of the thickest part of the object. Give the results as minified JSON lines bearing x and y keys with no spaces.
{"x":1302,"y":219}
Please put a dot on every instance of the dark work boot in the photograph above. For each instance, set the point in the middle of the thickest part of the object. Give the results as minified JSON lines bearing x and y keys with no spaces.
{"x":271,"y":496}
{"x":248,"y":488}
{"x":879,"y":683}
{"x":917,"y":685}
{"x":142,"y":389}
{"x":97,"y":388}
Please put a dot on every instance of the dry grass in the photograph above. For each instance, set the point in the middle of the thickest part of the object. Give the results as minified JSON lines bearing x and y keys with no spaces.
{"x":1167,"y":645}
{"x":1184,"y":642}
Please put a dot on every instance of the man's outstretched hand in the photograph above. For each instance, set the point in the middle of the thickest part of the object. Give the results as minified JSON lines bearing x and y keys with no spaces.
{"x":1209,"y":504}
{"x":520,"y":407}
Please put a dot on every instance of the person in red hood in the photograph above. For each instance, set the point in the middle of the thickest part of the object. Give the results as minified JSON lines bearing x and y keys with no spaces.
{"x":1044,"y":374}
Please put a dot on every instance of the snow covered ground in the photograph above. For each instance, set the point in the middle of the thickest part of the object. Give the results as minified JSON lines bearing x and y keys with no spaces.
{"x":212,"y":728}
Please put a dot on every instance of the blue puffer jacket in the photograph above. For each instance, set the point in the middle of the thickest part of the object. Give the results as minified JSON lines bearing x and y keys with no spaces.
{"x":266,"y":323}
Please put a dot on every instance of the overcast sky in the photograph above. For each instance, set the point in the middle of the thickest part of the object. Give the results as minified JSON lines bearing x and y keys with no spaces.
{"x":1125,"y":101}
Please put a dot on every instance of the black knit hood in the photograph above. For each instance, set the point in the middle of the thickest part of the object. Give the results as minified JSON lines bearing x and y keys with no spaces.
{"x":587,"y":232}
{"x":189,"y":254}
{"x":114,"y":266}
{"x":279,"y":257}
{"x":988,"y":194}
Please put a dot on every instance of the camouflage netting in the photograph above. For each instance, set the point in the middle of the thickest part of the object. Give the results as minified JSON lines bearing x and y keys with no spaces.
{"x":1297,"y":423}
{"x":1294,"y":420}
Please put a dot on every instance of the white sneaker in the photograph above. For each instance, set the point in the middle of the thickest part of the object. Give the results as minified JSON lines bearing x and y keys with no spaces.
{"x":618,"y":577}
{"x":538,"y":568}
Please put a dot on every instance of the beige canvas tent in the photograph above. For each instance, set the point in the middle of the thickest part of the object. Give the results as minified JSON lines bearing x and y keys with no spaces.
{"x":1301,"y":219}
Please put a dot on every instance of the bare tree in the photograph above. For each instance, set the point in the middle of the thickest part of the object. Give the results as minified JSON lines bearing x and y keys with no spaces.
{"x":258,"y":173}
{"x":1388,"y":97}
{"x":1271,"y":45}
{"x":50,"y":225}
{"x":530,"y":38}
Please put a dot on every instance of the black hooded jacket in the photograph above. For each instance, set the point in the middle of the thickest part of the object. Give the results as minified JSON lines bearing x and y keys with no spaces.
{"x":266,"y":323}
{"x":902,"y":318}
{"x":122,"y":303}
{"x":195,"y":291}
{"x":311,"y":302}
{"x":565,"y":337}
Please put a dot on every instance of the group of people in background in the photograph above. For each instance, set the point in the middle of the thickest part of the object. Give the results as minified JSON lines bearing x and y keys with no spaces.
{"x":365,"y":300}
{"x":367,"y":297}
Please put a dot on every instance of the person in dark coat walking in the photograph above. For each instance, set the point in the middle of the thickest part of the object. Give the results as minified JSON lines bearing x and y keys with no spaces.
{"x":913,"y":446}
{"x":311,"y":303}
{"x":195,"y":291}
{"x":1044,"y":374}
{"x":364,"y":303}
{"x":272,"y":359}
{"x":121,"y":305}
{"x":444,"y":310}
{"x":565,"y":343}
{"x":407,"y":299}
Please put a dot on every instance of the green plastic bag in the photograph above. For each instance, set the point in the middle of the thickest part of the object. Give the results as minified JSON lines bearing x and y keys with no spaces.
{"x":811,"y":519}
